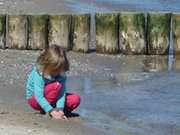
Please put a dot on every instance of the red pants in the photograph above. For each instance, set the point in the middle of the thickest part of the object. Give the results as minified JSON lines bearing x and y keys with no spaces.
{"x":51,"y":93}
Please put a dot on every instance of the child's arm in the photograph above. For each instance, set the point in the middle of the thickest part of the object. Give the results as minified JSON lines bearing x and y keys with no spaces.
{"x":61,"y":101}
{"x":39,"y":93}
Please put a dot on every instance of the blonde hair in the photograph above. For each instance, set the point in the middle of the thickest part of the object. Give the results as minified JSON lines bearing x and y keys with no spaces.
{"x":52,"y":60}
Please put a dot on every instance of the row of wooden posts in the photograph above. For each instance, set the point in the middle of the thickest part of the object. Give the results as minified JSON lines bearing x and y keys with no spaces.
{"x":126,"y":32}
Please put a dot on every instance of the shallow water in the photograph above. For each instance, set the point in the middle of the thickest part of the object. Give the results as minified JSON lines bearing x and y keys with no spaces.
{"x":120,"y":5}
{"x":132,"y":102}
{"x":147,"y":105}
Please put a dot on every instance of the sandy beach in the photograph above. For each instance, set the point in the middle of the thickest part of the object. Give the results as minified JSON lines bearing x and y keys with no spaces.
{"x":133,"y":83}
{"x":121,"y":95}
{"x":17,"y":118}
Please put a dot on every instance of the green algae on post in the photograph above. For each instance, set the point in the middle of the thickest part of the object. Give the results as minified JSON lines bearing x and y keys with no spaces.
{"x":176,"y":33}
{"x":132,"y":33}
{"x":81,"y":32}
{"x":107,"y":33}
{"x":158,"y":33}
{"x":38,"y":32}
{"x":59,"y":30}
{"x":17,"y":32}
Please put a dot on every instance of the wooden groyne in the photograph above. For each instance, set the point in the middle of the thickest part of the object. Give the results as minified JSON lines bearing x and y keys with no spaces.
{"x":176,"y":33}
{"x":81,"y":32}
{"x":59,"y":29}
{"x":16,"y":32}
{"x":132,"y":33}
{"x":158,"y":33}
{"x":107,"y":33}
{"x":125,"y":32}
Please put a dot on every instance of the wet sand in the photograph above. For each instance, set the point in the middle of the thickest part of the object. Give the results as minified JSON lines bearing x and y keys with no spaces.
{"x":19,"y":119}
{"x":120,"y":95}
{"x":85,"y":6}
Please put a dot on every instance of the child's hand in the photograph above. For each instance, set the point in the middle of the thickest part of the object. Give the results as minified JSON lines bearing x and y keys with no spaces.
{"x":55,"y":114}
{"x":58,"y":114}
{"x":63,"y":115}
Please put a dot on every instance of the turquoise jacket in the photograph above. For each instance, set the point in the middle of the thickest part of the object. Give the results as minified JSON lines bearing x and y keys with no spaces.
{"x":35,"y":87}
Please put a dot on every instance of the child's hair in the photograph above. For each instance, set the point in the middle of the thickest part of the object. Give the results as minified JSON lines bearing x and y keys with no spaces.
{"x":52,"y":60}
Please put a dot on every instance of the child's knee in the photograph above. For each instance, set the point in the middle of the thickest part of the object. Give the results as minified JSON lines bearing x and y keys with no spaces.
{"x":33,"y":103}
{"x":76,"y":99}
{"x":56,"y":85}
{"x":52,"y":91}
{"x":72,"y":101}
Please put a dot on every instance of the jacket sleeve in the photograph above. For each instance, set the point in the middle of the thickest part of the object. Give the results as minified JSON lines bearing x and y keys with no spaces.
{"x":39,"y":93}
{"x":61,"y":100}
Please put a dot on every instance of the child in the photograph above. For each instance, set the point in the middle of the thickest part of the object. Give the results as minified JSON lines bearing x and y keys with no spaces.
{"x":45,"y":88}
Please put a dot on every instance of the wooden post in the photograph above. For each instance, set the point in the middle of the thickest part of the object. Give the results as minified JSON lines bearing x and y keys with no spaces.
{"x":176,"y":33}
{"x":158,"y":33}
{"x":132,"y":33}
{"x":107,"y":33}
{"x":81,"y":32}
{"x":38,"y":32}
{"x":2,"y":31}
{"x":59,"y":30}
{"x":17,"y":32}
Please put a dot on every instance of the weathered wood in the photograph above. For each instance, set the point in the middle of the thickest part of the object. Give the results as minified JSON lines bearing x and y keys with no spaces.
{"x":107,"y":33}
{"x":59,"y":30}
{"x":38,"y":32}
{"x":176,"y":33}
{"x":17,"y":32}
{"x":158,"y":33}
{"x":2,"y":30}
{"x":81,"y":32}
{"x":132,"y":33}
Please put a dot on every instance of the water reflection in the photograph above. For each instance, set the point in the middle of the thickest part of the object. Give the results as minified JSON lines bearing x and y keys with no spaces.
{"x":123,"y":71}
{"x":176,"y":64}
{"x":156,"y":63}
{"x":87,"y":85}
